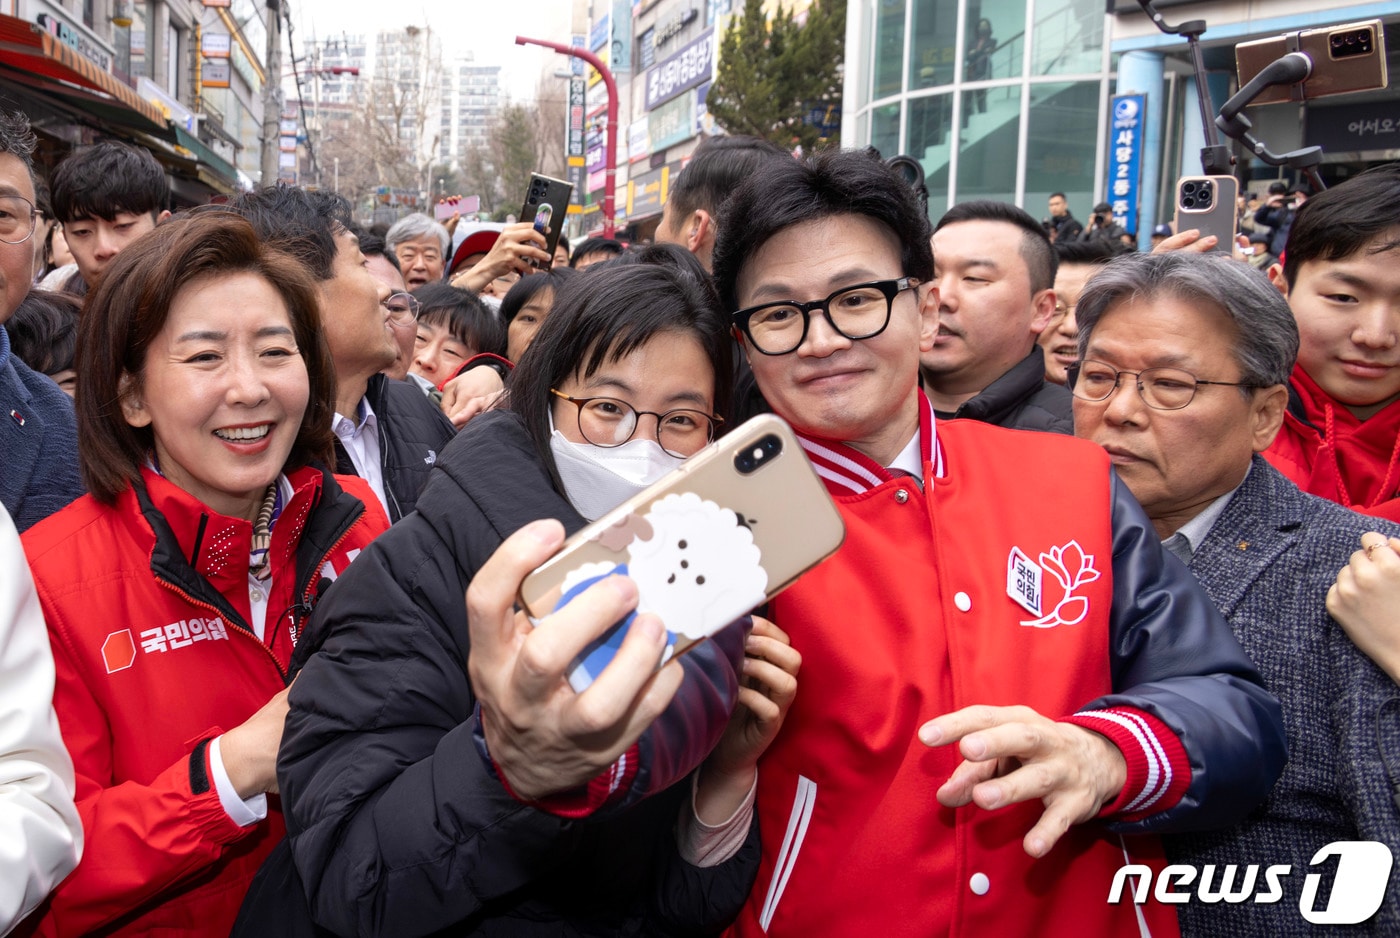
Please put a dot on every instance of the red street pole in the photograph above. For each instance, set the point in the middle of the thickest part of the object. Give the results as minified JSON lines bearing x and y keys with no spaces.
{"x":609,"y":148}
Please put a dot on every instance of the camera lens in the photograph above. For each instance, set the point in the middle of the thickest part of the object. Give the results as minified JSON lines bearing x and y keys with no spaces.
{"x":1188,"y":187}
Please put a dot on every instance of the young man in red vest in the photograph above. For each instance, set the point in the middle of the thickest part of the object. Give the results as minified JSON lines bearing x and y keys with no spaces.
{"x":995,"y":684}
{"x":1341,"y":274}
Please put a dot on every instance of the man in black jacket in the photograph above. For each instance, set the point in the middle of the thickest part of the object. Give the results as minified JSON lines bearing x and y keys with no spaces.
{"x":994,"y":270}
{"x":387,"y":432}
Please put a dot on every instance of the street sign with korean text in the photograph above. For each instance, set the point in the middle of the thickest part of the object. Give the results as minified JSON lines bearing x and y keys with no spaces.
{"x":1126,"y":126}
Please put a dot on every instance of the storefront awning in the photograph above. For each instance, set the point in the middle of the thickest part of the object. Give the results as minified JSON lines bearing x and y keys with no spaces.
{"x":29,"y":51}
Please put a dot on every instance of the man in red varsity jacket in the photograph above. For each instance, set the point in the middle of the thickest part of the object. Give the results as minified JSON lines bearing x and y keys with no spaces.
{"x":998,"y":686}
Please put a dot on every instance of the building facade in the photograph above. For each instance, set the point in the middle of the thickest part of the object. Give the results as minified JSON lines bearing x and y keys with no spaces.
{"x":471,"y":100}
{"x":996,"y":100}
{"x":1011,"y":100}
{"x":182,"y":79}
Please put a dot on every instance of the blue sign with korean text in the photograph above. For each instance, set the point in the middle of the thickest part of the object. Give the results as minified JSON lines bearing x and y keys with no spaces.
{"x":1125,"y":130}
{"x":685,"y":70}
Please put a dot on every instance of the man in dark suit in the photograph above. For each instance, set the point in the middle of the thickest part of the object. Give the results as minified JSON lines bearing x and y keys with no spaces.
{"x":1183,"y":380}
{"x":38,"y":432}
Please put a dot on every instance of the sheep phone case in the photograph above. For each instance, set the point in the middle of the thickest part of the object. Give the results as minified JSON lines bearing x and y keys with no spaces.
{"x":721,"y":535}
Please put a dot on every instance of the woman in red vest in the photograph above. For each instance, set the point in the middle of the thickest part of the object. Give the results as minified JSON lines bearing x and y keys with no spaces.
{"x":176,"y":590}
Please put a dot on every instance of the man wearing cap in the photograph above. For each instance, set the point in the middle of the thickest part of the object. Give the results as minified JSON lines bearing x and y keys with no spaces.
{"x":1102,"y":226}
{"x":1161,"y":233}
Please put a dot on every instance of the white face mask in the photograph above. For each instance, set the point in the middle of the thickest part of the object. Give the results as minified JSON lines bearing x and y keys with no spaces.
{"x":599,"y":478}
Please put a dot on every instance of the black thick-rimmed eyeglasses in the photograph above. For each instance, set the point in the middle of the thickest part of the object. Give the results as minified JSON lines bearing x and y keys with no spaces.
{"x":1159,"y":388}
{"x":857,"y":312}
{"x":17,"y":217}
{"x":609,"y":422}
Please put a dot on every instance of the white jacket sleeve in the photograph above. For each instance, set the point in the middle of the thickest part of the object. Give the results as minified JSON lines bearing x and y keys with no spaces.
{"x":40,"y":834}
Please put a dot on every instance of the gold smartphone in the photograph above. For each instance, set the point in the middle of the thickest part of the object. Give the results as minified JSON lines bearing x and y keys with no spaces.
{"x":1345,"y":58}
{"x":713,"y":540}
{"x":1208,"y":204}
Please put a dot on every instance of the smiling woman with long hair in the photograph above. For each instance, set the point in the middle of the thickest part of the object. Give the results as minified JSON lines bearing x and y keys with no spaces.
{"x":176,"y":590}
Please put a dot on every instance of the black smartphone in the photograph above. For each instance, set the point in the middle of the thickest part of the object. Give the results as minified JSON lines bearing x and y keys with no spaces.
{"x":546,"y":204}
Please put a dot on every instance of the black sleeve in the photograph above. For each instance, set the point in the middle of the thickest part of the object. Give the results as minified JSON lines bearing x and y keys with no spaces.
{"x":1173,"y":655}
{"x":694,"y":901}
{"x":396,"y":824}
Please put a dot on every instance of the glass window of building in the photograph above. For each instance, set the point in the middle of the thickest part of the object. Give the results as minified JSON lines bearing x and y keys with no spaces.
{"x":1068,"y":37}
{"x":995,"y":45}
{"x":997,"y":99}
{"x":1061,"y":145}
{"x":889,"y":47}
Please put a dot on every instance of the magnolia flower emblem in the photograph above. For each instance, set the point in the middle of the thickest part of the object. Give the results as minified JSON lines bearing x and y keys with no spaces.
{"x":1073,"y":568}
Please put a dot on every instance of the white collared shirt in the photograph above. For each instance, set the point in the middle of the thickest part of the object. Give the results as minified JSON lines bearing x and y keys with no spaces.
{"x":910,"y":459}
{"x":1194,"y":531}
{"x":361,"y":442}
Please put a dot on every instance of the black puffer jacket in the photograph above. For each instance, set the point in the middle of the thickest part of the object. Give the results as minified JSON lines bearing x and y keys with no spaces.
{"x":412,"y":435}
{"x":1022,"y":399}
{"x":396,"y":822}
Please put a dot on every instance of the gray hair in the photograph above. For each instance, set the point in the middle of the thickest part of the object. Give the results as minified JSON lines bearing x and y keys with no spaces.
{"x":1266,"y":344}
{"x":412,"y":227}
{"x":17,"y":139}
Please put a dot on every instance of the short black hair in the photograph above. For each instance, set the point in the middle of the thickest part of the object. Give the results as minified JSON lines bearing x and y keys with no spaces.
{"x":607,"y":246}
{"x":525,"y":289}
{"x":461,"y":313}
{"x":564,"y":243}
{"x":300,"y":222}
{"x":1347,"y":218}
{"x":1060,"y":195}
{"x":715,"y":170}
{"x":605,"y":315}
{"x":1096,"y":251}
{"x":371,"y":245}
{"x":784,"y":193}
{"x":1036,"y":249}
{"x":107,"y":179}
{"x":44,"y":330}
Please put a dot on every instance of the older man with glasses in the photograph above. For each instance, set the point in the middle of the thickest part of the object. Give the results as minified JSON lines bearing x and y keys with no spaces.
{"x":996,"y":673}
{"x":1184,"y":382}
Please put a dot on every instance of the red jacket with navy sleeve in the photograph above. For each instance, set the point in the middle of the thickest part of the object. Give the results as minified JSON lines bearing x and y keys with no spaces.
{"x":989,"y":586}
{"x":147,"y":605}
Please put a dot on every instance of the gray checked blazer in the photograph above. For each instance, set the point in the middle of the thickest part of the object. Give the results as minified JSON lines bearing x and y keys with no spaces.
{"x":1267,"y":563}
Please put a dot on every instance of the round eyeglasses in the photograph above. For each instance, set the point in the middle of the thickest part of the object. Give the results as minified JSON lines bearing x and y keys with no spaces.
{"x":608,"y":422}
{"x":17,"y":215}
{"x":857,"y":312}
{"x":402,"y":307}
{"x":1159,"y":388}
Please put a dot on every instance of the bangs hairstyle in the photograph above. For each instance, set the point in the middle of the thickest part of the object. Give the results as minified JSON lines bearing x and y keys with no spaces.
{"x":131,"y":307}
{"x":605,"y":316}
{"x":463,"y":315}
{"x":526,"y":287}
{"x":783,"y":193}
{"x":107,"y":179}
{"x":1347,"y":218}
{"x":44,"y":330}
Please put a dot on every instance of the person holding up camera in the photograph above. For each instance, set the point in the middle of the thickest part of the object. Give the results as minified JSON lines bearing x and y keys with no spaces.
{"x":1102,"y":227}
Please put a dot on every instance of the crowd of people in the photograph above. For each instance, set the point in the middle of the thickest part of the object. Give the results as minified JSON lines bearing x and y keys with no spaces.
{"x":1120,"y":586}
